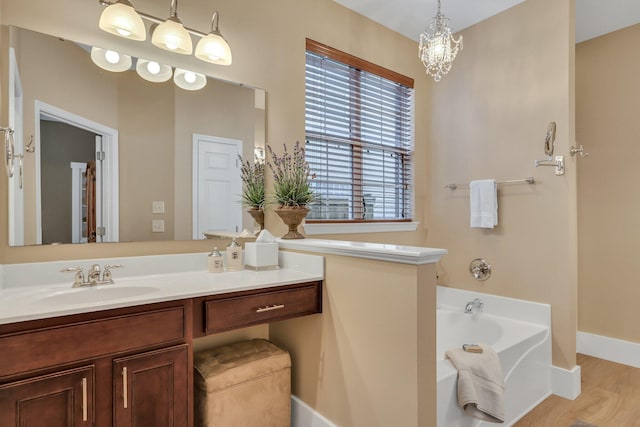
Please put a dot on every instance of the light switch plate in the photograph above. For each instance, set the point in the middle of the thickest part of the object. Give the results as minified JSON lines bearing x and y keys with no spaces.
{"x":157,"y":225}
{"x":157,"y":207}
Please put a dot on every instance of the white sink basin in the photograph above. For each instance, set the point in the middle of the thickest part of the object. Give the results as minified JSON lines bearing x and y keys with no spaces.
{"x":92,"y":294}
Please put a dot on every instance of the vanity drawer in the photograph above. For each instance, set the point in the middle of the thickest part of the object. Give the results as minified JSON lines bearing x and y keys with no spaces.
{"x":238,"y":311}
{"x":44,"y":347}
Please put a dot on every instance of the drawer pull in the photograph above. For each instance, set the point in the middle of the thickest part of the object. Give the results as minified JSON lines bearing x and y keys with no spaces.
{"x":84,"y":399}
{"x":270,"y":308}
{"x":125,"y":398}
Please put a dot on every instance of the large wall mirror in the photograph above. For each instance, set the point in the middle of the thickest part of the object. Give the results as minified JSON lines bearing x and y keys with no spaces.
{"x":111,"y":157}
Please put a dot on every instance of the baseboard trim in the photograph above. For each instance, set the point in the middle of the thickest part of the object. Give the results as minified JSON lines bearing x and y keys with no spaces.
{"x":566,"y":383}
{"x":303,"y":415}
{"x":611,"y":349}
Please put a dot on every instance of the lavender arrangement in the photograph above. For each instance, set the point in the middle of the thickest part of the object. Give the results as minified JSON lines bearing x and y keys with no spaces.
{"x":252,"y":174}
{"x":291,"y":177}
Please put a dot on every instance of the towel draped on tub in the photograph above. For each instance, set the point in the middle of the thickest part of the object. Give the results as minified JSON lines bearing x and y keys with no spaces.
{"x":480,"y":383}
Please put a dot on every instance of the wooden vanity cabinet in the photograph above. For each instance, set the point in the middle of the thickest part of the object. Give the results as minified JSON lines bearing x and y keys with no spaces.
{"x":68,"y":371}
{"x":130,"y":366}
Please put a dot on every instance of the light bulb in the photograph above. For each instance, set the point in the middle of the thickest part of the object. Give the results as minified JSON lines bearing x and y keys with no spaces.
{"x":121,"y":19}
{"x":153,"y":67}
{"x":123,"y":32}
{"x":189,"y":80}
{"x":171,"y":43}
{"x":215,"y":49}
{"x":189,"y":77}
{"x":112,"y":57}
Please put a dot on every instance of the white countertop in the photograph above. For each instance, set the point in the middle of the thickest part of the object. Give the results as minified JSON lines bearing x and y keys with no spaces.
{"x":39,"y":301}
{"x":40,"y":290}
{"x":416,"y":255}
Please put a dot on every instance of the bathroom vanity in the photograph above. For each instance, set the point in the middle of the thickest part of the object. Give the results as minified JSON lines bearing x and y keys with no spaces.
{"x":131,"y":363}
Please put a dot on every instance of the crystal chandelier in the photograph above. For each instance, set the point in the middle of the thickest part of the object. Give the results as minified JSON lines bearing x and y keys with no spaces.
{"x":438,"y":48}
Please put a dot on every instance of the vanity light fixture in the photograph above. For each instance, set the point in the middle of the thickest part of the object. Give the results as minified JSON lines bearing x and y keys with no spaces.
{"x":189,"y":80}
{"x":110,"y":60}
{"x":153,"y":71}
{"x":213,"y":47}
{"x":121,"y":19}
{"x":438,"y":48}
{"x":171,"y":34}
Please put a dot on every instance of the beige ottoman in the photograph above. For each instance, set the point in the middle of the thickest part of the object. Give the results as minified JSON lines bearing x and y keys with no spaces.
{"x":246,"y":384}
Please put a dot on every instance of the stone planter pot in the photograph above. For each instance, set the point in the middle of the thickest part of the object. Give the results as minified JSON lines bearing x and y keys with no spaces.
{"x":292,"y":216}
{"x":258,"y":216}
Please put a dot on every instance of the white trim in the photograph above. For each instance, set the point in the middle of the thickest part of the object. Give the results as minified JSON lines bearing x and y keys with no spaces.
{"x":110,"y":181}
{"x":359,"y":227}
{"x":566,"y":383}
{"x":415,"y":255}
{"x":612,"y":349}
{"x":16,"y":183}
{"x":303,"y":415}
{"x":77,"y":171}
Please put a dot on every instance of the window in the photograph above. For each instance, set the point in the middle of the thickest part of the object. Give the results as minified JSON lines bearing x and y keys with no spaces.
{"x":359,"y":138}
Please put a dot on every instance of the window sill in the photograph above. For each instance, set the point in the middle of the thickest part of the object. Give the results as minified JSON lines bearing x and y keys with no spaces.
{"x":362,"y":227}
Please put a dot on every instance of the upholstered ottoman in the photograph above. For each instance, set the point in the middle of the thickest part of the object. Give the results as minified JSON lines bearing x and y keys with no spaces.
{"x":246,"y":384}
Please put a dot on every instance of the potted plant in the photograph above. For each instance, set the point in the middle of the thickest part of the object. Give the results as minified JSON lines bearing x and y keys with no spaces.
{"x":253,"y":195}
{"x":291,"y":188}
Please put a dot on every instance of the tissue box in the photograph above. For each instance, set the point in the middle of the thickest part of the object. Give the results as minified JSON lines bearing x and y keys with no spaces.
{"x":261,"y":256}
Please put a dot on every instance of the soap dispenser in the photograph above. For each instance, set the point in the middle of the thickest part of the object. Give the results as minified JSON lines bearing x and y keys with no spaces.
{"x":215,"y":261}
{"x":234,"y":256}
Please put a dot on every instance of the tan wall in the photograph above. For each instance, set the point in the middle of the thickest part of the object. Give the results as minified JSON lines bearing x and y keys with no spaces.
{"x":607,"y":104}
{"x":145,"y":153}
{"x":369,"y":359}
{"x":488,"y":119}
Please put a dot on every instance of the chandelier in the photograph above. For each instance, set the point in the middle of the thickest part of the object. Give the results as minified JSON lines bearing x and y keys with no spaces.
{"x":438,"y":48}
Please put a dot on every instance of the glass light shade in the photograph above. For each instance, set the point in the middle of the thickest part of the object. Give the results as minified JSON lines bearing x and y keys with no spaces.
{"x":172,"y":36}
{"x":122,"y":20}
{"x":189,"y":80}
{"x":215,"y":49}
{"x":110,"y":60}
{"x":153,"y":71}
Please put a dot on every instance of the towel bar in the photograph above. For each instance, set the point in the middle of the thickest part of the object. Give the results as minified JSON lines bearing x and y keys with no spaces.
{"x":529,"y":180}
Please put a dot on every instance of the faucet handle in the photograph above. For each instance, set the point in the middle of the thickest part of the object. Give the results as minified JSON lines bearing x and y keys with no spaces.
{"x":106,"y":275}
{"x":79,"y":278}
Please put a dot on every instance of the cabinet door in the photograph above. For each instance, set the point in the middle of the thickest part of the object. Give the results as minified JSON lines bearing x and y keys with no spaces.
{"x":63,"y":399}
{"x":150,"y":389}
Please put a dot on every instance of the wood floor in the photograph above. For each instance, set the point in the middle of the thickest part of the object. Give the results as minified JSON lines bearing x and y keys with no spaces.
{"x":610,"y":398}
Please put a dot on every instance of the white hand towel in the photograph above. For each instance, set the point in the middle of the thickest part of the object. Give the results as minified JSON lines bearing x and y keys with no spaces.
{"x":483,"y":196}
{"x":480,"y":383}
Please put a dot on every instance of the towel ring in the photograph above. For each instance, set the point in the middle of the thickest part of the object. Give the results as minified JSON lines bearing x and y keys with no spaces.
{"x":9,"y":151}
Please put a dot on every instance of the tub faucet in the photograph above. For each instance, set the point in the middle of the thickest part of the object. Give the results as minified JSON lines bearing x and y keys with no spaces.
{"x":468,"y":309}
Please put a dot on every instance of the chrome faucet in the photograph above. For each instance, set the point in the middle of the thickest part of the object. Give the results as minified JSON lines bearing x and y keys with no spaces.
{"x":93,"y":277}
{"x":94,"y":274}
{"x":468,"y":309}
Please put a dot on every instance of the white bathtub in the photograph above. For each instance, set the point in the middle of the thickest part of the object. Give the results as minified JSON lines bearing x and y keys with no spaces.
{"x":519,"y":331}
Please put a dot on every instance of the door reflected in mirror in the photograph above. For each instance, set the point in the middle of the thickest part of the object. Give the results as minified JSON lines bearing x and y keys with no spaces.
{"x":145,"y":145}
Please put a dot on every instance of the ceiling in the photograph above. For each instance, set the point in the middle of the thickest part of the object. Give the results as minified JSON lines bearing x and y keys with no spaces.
{"x":410,"y":17}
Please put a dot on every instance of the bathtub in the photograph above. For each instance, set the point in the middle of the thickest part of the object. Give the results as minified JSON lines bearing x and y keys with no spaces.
{"x":519,"y":331}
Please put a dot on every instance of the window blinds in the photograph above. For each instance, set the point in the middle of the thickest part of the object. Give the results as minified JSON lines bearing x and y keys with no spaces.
{"x":359,"y":142}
